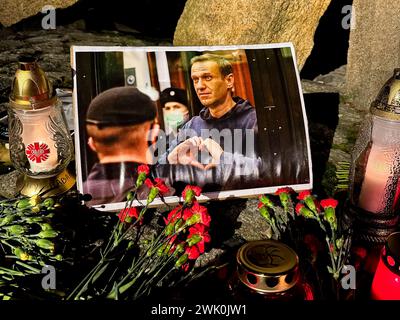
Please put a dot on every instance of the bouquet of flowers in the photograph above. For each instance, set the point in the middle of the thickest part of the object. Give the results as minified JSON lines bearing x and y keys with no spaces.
{"x":282,"y":218}
{"x":27,"y":240}
{"x":37,"y":234}
{"x":133,"y":263}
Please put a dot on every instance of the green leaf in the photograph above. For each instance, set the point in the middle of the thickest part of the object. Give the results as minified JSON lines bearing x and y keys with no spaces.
{"x":330,"y":270}
{"x":100,"y":272}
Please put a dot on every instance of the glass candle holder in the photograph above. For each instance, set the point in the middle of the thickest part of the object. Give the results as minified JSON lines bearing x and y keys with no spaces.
{"x":386,"y":282}
{"x":40,"y":143}
{"x":375,"y":167}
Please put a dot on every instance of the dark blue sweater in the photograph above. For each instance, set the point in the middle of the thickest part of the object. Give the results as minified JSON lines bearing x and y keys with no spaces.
{"x":229,"y":131}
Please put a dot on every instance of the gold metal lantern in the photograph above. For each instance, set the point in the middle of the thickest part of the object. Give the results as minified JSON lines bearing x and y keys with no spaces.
{"x":40,"y":143}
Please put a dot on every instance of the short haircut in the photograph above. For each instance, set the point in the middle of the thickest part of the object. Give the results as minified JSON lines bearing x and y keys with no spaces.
{"x":111,"y":139}
{"x":224,"y":65}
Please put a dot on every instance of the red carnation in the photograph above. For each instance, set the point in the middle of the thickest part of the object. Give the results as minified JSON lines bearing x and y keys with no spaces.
{"x":197,"y":214}
{"x":329,"y":203}
{"x":193,"y":252}
{"x":143,"y":168}
{"x":159,"y":184}
{"x":158,"y":187}
{"x":284,"y":197}
{"x":299,"y":206}
{"x":126,"y":215}
{"x":174,"y":215}
{"x":303,"y":211}
{"x":283,"y":190}
{"x":266,"y":201}
{"x":309,"y":200}
{"x":198,"y":229}
{"x":198,"y":236}
{"x":190,"y":192}
{"x":304,"y":195}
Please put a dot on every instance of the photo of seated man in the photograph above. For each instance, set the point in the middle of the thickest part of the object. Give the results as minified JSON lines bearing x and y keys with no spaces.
{"x":119,"y":122}
{"x":218,"y":146}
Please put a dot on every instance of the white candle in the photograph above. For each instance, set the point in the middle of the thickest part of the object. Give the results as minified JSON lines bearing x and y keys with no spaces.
{"x":377,"y":174}
{"x":39,"y":145}
{"x":375,"y":189}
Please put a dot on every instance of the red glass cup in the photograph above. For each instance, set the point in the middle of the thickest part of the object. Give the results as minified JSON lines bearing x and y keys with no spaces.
{"x":386,"y":283}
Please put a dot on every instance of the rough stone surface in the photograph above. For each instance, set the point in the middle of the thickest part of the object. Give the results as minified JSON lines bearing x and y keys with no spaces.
{"x":12,"y":11}
{"x":52,"y":49}
{"x":350,"y":117}
{"x":374,"y":49}
{"x":9,"y":186}
{"x":225,"y":22}
{"x":252,"y":225}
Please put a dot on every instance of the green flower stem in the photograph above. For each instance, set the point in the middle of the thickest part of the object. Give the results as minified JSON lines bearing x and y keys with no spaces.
{"x":331,"y":256}
{"x":163,"y":277}
{"x":7,"y":244}
{"x":147,"y":283}
{"x":143,"y":259}
{"x":123,"y":288}
{"x":83,"y":285}
{"x":27,"y":266}
{"x":143,"y":262}
{"x":116,"y":269}
{"x":4,"y":270}
{"x":134,"y":266}
{"x":117,"y":237}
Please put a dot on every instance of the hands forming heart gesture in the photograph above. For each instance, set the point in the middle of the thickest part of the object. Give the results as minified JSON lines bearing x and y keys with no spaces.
{"x":186,"y":153}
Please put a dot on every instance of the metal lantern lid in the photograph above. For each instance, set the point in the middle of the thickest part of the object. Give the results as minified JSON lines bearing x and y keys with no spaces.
{"x":387,"y":103}
{"x":267,"y":266}
{"x":31,"y":90}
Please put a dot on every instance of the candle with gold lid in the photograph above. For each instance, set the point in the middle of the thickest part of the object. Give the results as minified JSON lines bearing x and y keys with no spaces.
{"x":268,"y":270}
{"x":40,"y":143}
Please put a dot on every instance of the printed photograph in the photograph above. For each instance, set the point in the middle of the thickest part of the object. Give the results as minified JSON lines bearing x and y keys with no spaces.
{"x":230,"y":120}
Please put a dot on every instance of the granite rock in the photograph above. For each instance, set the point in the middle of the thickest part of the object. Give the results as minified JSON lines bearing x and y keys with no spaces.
{"x":12,"y":12}
{"x":225,"y":22}
{"x":374,"y":49}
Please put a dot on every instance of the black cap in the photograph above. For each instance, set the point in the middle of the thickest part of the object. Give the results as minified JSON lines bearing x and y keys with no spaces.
{"x":173,"y":95}
{"x":121,"y":106}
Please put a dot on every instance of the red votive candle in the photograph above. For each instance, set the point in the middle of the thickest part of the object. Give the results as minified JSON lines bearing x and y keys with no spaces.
{"x":386,"y":283}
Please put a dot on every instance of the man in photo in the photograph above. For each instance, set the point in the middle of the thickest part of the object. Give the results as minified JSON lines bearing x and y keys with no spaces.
{"x":119,"y":122}
{"x":222,"y":135}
